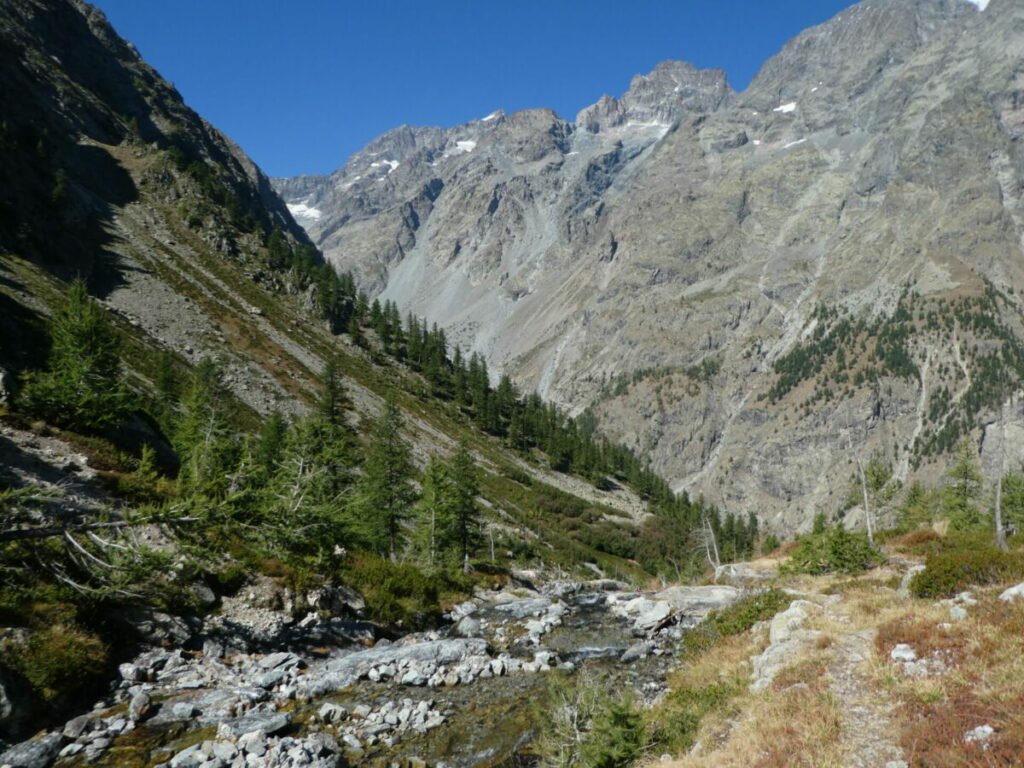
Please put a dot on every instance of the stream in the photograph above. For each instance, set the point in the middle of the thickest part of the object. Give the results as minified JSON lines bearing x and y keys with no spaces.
{"x":468,"y":695}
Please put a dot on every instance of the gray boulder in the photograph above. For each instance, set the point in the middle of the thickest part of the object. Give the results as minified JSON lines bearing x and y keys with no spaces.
{"x":338,"y":601}
{"x":140,"y":706}
{"x":698,"y":602}
{"x":468,"y":626}
{"x":636,"y":652}
{"x":76,"y":726}
{"x":39,"y":753}
{"x":268,"y":722}
{"x":1013,"y":593}
{"x":904,"y":588}
{"x":520,"y":609}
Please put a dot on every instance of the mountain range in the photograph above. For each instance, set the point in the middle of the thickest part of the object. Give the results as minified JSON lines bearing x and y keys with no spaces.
{"x":760,"y":290}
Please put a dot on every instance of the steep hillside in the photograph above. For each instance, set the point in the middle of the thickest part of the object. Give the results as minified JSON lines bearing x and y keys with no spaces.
{"x":159,"y":311}
{"x":112,"y":179}
{"x":686,"y":262}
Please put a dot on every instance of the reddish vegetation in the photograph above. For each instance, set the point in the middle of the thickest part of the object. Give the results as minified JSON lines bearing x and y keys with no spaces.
{"x":923,"y":636}
{"x":935,"y":736}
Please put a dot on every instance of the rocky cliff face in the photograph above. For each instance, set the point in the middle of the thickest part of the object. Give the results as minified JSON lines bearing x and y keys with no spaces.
{"x":110,"y":177}
{"x":754,"y":287}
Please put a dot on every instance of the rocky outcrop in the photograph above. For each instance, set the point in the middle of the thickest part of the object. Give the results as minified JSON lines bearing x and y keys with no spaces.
{"x":788,"y":640}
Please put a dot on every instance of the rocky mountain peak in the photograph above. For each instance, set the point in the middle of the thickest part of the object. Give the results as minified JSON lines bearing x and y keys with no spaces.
{"x":853,"y":50}
{"x":671,"y":90}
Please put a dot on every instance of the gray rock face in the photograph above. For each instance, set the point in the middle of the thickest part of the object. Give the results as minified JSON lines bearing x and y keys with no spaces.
{"x":691,"y":233}
{"x":33,"y":754}
{"x":698,"y":602}
{"x":520,"y":609}
{"x":344,"y":671}
{"x":788,"y":639}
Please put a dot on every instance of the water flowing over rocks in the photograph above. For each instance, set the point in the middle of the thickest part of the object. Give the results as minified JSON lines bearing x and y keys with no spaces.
{"x":239,"y":702}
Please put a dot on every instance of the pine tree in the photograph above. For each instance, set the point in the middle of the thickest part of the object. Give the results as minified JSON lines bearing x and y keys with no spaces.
{"x":432,"y":511}
{"x":959,"y":497}
{"x":304,"y":505}
{"x":82,"y":387}
{"x":270,"y":444}
{"x":385,"y":494}
{"x":168,"y":392}
{"x":202,"y":439}
{"x":334,"y":439}
{"x":463,"y":524}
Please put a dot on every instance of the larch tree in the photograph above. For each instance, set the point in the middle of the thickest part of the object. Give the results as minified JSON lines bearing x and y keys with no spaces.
{"x":385,"y":492}
{"x":82,"y":386}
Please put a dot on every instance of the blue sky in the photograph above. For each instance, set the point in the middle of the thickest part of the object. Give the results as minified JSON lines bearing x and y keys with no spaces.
{"x":301,"y":85}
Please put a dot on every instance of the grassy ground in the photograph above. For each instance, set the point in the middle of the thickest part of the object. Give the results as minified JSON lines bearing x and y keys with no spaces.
{"x":843,"y":698}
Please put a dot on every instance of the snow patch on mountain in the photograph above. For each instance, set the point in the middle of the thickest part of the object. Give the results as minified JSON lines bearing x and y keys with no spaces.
{"x":304,"y":211}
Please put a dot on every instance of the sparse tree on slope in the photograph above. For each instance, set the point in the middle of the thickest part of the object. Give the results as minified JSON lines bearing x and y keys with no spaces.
{"x":82,"y":387}
{"x":385,"y":494}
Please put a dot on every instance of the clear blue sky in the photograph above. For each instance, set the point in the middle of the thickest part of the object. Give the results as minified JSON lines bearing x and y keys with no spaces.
{"x":301,"y":85}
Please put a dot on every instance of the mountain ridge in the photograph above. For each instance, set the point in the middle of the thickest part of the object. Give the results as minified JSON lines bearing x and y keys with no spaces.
{"x":573,"y":260}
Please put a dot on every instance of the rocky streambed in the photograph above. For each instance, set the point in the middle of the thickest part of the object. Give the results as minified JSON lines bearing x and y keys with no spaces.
{"x":462,"y":696}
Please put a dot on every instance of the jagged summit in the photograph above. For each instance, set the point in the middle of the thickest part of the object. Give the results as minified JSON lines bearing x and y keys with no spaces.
{"x":672,"y":89}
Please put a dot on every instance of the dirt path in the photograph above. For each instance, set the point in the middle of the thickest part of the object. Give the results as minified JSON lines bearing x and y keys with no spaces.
{"x":866,"y":723}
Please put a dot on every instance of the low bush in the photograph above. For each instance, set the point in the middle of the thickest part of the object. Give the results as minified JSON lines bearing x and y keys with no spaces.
{"x":403,"y":594}
{"x":678,"y":719}
{"x":58,"y":660}
{"x":914,"y":540}
{"x":737,"y":618}
{"x":833,"y":550}
{"x":945,"y":574}
{"x":616,"y":738}
{"x":580,"y":725}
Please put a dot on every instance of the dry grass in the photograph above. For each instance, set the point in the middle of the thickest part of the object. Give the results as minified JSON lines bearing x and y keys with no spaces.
{"x":797,"y":722}
{"x":986,"y":687}
{"x":794,"y":723}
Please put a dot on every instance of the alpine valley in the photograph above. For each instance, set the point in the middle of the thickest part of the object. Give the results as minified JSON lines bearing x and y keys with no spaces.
{"x":739,"y":285}
{"x":688,"y":432}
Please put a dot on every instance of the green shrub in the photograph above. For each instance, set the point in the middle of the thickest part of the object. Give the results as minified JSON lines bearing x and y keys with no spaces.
{"x":945,"y":574}
{"x":580,"y":725}
{"x":616,"y":737}
{"x":736,"y":618}
{"x":401,"y":593}
{"x":82,"y":387}
{"x":833,"y":550}
{"x":678,"y":720}
{"x":57,"y":660}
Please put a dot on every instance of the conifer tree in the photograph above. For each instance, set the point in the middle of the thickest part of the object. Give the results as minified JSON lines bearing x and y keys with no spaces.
{"x":463,"y":515}
{"x":168,"y":393}
{"x":959,"y":497}
{"x":201,"y":438}
{"x":82,"y":387}
{"x":304,"y":505}
{"x":385,"y":494}
{"x":270,"y":444}
{"x":432,"y":510}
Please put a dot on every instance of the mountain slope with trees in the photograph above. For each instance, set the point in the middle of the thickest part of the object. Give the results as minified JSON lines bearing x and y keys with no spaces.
{"x":221,"y":408}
